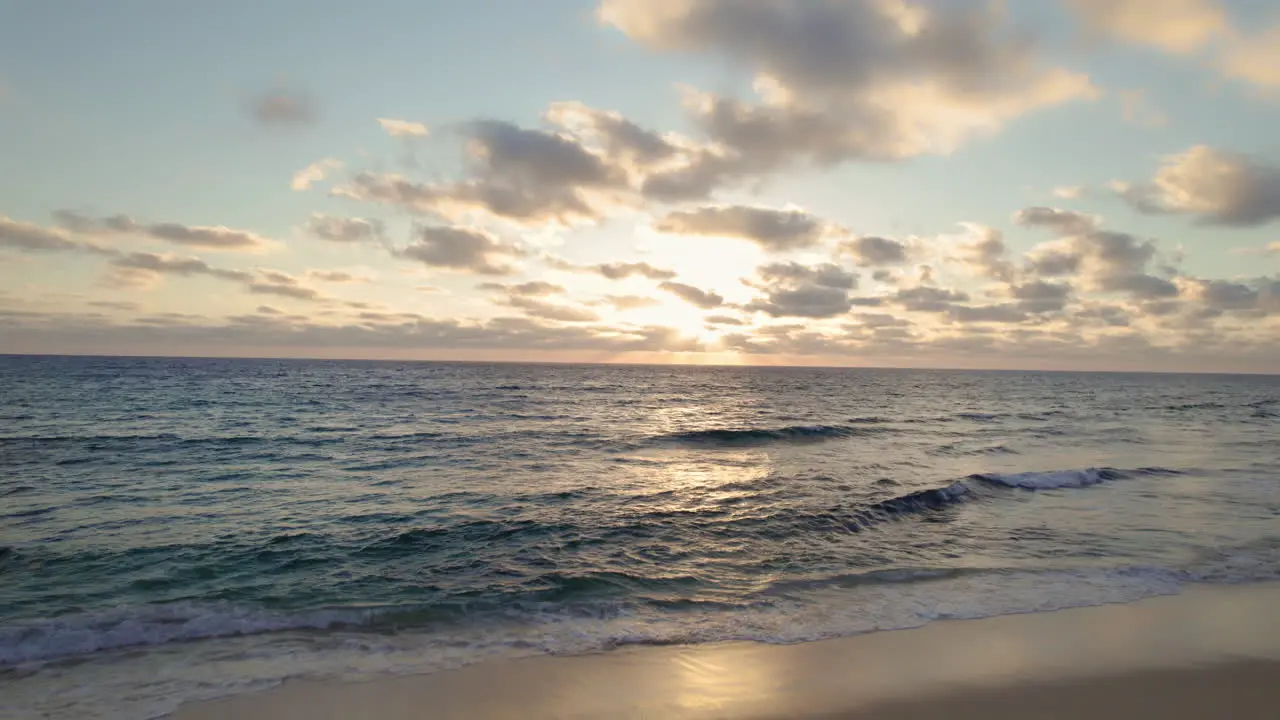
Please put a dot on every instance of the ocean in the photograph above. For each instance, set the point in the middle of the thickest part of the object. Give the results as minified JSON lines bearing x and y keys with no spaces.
{"x":179,"y":529}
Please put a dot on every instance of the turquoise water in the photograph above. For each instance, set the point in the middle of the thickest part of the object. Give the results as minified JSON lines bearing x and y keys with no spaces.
{"x":174,"y":529}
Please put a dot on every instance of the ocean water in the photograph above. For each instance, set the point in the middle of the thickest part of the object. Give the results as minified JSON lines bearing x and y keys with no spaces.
{"x":175,"y":529}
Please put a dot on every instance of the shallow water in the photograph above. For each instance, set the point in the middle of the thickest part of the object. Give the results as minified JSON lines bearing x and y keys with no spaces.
{"x":174,"y":529}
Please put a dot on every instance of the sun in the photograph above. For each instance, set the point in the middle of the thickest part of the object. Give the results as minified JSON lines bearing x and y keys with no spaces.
{"x":674,"y":313}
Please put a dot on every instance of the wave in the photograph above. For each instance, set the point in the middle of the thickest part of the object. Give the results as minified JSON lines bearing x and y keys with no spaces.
{"x":85,"y":633}
{"x":978,"y":417}
{"x":618,"y":614}
{"x":765,"y":436}
{"x":1194,"y":406}
{"x":956,"y":450}
{"x":1052,"y":479}
{"x":933,"y":499}
{"x":54,"y":439}
{"x":922,"y":500}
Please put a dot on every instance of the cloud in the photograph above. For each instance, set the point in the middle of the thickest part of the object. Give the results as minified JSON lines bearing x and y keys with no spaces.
{"x":1106,"y":260}
{"x":528,"y":176}
{"x":692,"y":295}
{"x":827,"y":275}
{"x":1272,"y":248}
{"x":344,"y":230}
{"x":461,"y":249}
{"x":857,"y":80}
{"x":923,"y":298}
{"x":986,"y":314}
{"x":533,"y":288}
{"x":724,"y":320}
{"x":1224,"y":295}
{"x":881,"y":320}
{"x":552,"y":311}
{"x":986,"y":252}
{"x":32,"y":237}
{"x":143,"y":269}
{"x":402,"y":128}
{"x":337,"y":276}
{"x":630,"y":302}
{"x":1039,"y":296}
{"x":1175,"y":26}
{"x":285,"y":287}
{"x":621,"y":270}
{"x":1253,"y":58}
{"x":174,"y":265}
{"x":1189,"y":27}
{"x":379,"y":336}
{"x":809,"y":291}
{"x":1139,"y":286}
{"x":872,"y":251}
{"x":283,"y":106}
{"x":631,"y":145}
{"x":1216,"y":187}
{"x":1068,"y":192}
{"x":115,"y":305}
{"x":204,"y":237}
{"x":208,"y":238}
{"x":774,"y":230}
{"x":1061,"y":222}
{"x":314,"y":173}
{"x":1102,"y":253}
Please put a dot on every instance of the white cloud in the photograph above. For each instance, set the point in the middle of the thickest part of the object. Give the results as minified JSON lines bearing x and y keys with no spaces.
{"x":460,"y":249}
{"x":338,"y":276}
{"x":622,"y":270}
{"x":314,"y":173}
{"x":216,"y":237}
{"x":1176,"y":26}
{"x":552,"y":311}
{"x":402,"y":128}
{"x":1214,"y":186}
{"x":1068,"y":192}
{"x":775,"y":230}
{"x":344,"y":230}
{"x":857,"y":80}
{"x":1063,"y":222}
{"x":630,"y":302}
{"x":871,"y":251}
{"x":532,"y":288}
{"x":1192,"y":28}
{"x":31,"y":237}
{"x":805,"y":291}
{"x":694,"y":296}
{"x":1254,"y":58}
{"x":526,"y":176}
{"x":985,"y":251}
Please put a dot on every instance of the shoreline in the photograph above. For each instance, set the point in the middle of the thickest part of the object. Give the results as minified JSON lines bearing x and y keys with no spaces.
{"x":1208,"y":647}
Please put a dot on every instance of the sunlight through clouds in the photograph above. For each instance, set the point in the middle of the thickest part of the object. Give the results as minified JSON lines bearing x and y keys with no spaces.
{"x":764,"y":182}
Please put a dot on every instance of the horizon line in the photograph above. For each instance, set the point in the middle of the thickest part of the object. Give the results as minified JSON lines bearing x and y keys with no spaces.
{"x":601,"y":363}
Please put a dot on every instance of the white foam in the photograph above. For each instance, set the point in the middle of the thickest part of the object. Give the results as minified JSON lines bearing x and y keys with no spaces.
{"x":85,"y":633}
{"x":1050,"y":480}
{"x":128,"y":684}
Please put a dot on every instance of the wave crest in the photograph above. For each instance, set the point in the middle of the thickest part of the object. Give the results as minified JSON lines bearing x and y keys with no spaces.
{"x":764,"y":436}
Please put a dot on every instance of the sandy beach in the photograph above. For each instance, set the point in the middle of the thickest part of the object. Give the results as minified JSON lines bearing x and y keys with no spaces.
{"x":1207,"y":652}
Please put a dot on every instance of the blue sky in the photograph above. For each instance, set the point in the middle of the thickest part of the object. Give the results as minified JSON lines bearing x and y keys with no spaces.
{"x":928,"y":125}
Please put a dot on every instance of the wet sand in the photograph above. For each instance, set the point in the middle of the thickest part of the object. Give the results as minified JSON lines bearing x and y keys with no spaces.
{"x":1210,"y":652}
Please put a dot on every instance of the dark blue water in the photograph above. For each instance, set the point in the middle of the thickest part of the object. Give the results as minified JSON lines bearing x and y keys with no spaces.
{"x":182,"y":528}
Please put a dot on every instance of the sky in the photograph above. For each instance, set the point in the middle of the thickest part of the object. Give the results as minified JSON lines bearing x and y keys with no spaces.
{"x":1041,"y":184}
